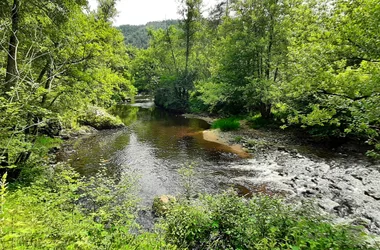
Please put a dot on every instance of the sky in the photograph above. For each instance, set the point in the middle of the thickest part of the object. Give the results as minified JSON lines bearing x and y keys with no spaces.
{"x":143,"y":11}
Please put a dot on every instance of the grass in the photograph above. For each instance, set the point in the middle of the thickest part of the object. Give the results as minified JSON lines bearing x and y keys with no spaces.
{"x":238,"y":138}
{"x":226,"y":124}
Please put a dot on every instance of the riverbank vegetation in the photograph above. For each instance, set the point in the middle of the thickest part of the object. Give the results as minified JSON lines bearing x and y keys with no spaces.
{"x":226,"y":124}
{"x":307,"y":64}
{"x":58,"y":59}
{"x":58,"y":209}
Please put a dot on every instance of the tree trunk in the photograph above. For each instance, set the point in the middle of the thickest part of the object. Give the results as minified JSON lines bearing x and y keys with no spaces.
{"x":187,"y":48}
{"x":266,"y":110}
{"x":12,"y":71}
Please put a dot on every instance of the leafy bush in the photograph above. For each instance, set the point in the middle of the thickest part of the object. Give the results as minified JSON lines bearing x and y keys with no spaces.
{"x":62,"y":211}
{"x":229,"y":222}
{"x":173,"y":92}
{"x":226,"y":124}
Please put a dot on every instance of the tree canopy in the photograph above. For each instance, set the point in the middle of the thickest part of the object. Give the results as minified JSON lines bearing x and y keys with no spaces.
{"x":313,"y":64}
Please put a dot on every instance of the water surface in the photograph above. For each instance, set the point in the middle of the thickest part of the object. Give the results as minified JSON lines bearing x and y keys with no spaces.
{"x":155,"y":145}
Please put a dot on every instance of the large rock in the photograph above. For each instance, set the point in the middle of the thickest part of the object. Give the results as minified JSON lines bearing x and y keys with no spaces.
{"x":162,"y":204}
{"x":100,"y":119}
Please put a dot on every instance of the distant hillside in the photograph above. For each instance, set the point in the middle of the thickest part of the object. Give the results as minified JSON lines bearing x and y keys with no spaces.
{"x":137,"y":35}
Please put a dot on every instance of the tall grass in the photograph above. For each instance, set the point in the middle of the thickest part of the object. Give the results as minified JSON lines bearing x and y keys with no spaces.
{"x":226,"y":124}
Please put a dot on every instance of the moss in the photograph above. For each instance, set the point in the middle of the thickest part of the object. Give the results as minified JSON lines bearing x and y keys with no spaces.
{"x":100,"y":119}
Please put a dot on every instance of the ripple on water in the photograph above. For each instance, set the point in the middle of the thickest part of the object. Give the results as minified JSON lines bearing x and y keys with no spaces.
{"x":155,"y":145}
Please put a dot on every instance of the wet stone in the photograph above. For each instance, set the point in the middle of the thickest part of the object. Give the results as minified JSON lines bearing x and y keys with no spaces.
{"x":328,"y":205}
{"x":373,"y":193}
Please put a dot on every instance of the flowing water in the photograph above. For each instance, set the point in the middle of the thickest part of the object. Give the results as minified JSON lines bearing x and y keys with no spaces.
{"x":155,"y":145}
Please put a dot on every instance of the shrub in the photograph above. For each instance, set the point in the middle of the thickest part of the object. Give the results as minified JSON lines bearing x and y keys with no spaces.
{"x":227,"y":221}
{"x":62,"y":211}
{"x":226,"y":124}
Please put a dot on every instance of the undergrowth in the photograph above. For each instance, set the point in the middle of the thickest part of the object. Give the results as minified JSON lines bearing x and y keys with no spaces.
{"x":227,"y":221}
{"x":61,"y":210}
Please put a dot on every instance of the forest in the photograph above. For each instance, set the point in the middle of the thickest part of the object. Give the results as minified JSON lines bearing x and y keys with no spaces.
{"x":304,"y":65}
{"x":138,"y":36}
{"x":309,"y":64}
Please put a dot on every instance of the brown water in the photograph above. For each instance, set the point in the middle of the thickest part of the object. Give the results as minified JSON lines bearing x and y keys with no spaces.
{"x":154,"y":145}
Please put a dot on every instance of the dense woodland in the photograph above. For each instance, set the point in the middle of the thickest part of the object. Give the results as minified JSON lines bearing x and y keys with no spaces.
{"x":307,"y":64}
{"x":138,"y":35}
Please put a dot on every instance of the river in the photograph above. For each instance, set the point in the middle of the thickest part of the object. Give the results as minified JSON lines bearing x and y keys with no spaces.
{"x":155,"y":144}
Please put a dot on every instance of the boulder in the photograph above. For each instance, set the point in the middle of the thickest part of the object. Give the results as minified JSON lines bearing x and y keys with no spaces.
{"x":100,"y":119}
{"x":161,"y":204}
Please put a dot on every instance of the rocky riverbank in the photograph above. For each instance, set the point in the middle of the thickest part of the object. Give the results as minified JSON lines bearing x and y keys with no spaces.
{"x":340,"y":180}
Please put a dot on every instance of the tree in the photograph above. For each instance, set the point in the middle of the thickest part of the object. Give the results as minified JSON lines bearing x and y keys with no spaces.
{"x":191,"y":14}
{"x":12,"y":71}
{"x":333,"y":75}
{"x":250,"y":53}
{"x":67,"y":60}
{"x":106,"y":9}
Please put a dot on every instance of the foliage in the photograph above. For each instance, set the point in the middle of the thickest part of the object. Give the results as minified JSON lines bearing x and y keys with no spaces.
{"x":226,"y":124}
{"x":187,"y":174}
{"x":137,"y":35}
{"x":238,"y":139}
{"x":61,"y":210}
{"x":309,"y":64}
{"x":3,"y":192}
{"x":172,"y":92}
{"x":257,"y":121}
{"x":67,"y":60}
{"x":229,"y":222}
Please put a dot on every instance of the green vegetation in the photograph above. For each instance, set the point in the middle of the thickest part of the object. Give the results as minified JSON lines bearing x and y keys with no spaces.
{"x":238,"y":138}
{"x":258,"y":121}
{"x":67,"y":61}
{"x":138,"y":35}
{"x":59,"y":210}
{"x":306,"y":64}
{"x":52,"y":212}
{"x":314,"y":65}
{"x":63,"y":211}
{"x":226,"y":124}
{"x":228,"y":222}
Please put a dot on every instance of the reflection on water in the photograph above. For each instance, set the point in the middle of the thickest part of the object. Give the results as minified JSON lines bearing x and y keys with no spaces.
{"x":155,"y":144}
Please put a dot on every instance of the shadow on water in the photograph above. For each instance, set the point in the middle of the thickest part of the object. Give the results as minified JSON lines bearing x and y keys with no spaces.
{"x":155,"y":144}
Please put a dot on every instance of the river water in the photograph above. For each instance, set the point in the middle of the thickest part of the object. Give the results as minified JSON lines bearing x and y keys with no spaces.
{"x":154,"y":146}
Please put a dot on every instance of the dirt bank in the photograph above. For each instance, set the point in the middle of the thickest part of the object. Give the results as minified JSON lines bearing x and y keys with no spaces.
{"x":214,"y":135}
